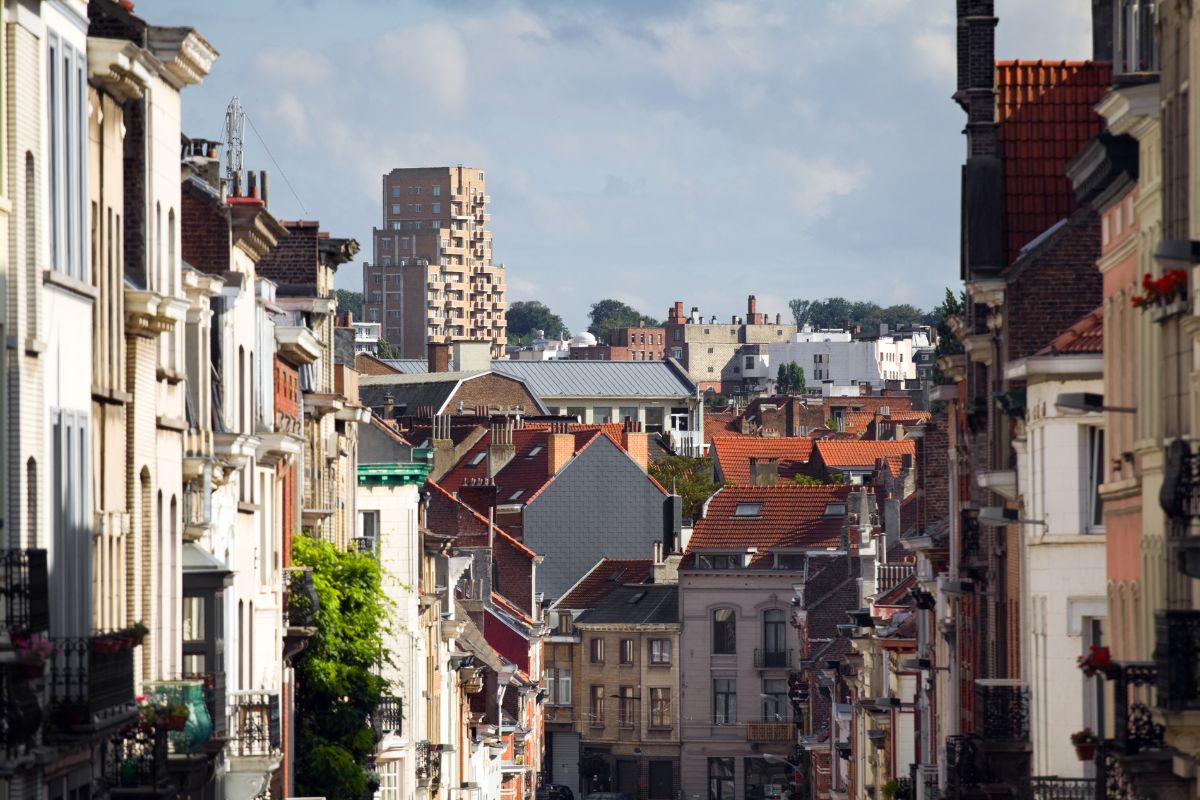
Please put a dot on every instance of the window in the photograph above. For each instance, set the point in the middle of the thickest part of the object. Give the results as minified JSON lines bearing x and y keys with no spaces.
{"x":70,"y":532}
{"x":710,"y":369}
{"x":416,"y":207}
{"x":677,"y":352}
{"x":396,"y":226}
{"x":660,"y":708}
{"x":1095,"y":477}
{"x":395,"y":208}
{"x":387,"y":261}
{"x":435,"y":208}
{"x":720,"y":561}
{"x":720,"y":779}
{"x":558,"y":686}
{"x":67,"y":144}
{"x":747,"y":509}
{"x":627,"y":651}
{"x":710,"y":350}
{"x":403,"y":242}
{"x":395,"y":191}
{"x":792,"y":561}
{"x":564,"y":622}
{"x":596,"y":706}
{"x":660,"y":651}
{"x":724,"y":631}
{"x":626,"y":707}
{"x":775,"y":705}
{"x":724,"y":701}
{"x":436,"y":191}
{"x":775,"y":638}
{"x":749,"y":362}
{"x":596,"y":651}
{"x":414,"y":190}
{"x":368,"y":524}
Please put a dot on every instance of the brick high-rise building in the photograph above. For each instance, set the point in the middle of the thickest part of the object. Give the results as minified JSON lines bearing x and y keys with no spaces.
{"x":431,"y":276}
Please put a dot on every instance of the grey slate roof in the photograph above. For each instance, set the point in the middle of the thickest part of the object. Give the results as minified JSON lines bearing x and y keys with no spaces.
{"x":408,"y":366}
{"x":410,"y":392}
{"x":562,"y":378}
{"x":640,"y":604}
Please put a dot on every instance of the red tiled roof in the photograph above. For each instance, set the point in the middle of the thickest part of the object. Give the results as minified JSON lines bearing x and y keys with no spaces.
{"x":608,"y":574}
{"x":863,"y":452}
{"x":1045,"y":111}
{"x":1085,"y":336}
{"x":500,"y":533}
{"x":390,"y":428}
{"x":721,"y":423}
{"x":508,"y":608}
{"x":527,"y":471}
{"x":733,"y":454}
{"x":788,"y":516}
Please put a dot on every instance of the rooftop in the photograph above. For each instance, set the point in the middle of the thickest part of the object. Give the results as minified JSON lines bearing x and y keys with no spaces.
{"x":1085,"y":336}
{"x":569,"y":379}
{"x":864,"y":453}
{"x":604,"y":578}
{"x":733,"y":453}
{"x":642,"y":604}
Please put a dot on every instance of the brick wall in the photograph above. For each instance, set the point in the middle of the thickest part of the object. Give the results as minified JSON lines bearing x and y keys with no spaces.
{"x":493,"y":390}
{"x":933,"y":472}
{"x":294,"y":260}
{"x":204,"y":229}
{"x":287,"y":389}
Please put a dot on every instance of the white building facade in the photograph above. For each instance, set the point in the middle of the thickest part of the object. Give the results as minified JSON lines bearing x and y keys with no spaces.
{"x":837,"y":356}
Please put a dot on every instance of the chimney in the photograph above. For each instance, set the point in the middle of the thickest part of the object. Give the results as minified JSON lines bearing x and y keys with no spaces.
{"x":764,"y":472}
{"x":252,"y":183}
{"x":262,"y":186}
{"x":559,"y":449}
{"x":778,"y":319}
{"x":237,"y":184}
{"x":479,"y":494}
{"x":389,"y":406}
{"x":751,"y":308}
{"x":501,"y":449}
{"x":439,"y":356}
{"x":443,"y":446}
{"x":636,"y":443}
{"x":672,"y":524}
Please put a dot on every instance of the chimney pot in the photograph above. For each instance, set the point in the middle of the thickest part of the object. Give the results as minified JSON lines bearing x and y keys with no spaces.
{"x":262,"y":186}
{"x":237,"y":184}
{"x":251,"y":183}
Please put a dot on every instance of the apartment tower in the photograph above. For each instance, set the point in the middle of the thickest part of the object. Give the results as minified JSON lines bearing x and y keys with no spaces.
{"x":431,"y":276}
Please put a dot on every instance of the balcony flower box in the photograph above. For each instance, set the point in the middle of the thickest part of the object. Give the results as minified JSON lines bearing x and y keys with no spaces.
{"x":1163,"y":297}
{"x":1098,"y":661}
{"x":1085,"y":742}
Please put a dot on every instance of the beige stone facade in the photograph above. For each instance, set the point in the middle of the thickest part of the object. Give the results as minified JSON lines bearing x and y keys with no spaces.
{"x":431,"y":277}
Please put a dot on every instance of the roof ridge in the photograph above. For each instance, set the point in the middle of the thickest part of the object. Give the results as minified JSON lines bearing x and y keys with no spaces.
{"x":503,"y":533}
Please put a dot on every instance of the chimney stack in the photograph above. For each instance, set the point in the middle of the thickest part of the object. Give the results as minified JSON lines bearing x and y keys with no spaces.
{"x":389,"y":406}
{"x":251,"y":183}
{"x":751,"y":310}
{"x":500,"y":449}
{"x":764,"y":472}
{"x":778,"y":319}
{"x":479,"y":494}
{"x":559,"y":449}
{"x":262,"y":186}
{"x":439,"y":357}
{"x":636,"y":443}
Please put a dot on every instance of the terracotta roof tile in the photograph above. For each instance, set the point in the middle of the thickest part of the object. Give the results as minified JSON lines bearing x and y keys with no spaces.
{"x":733,"y":453}
{"x":499,"y":532}
{"x":1045,"y":111}
{"x":1085,"y":336}
{"x":845,"y":453}
{"x":527,"y":472}
{"x":721,"y":423}
{"x":607,"y":575}
{"x":787,"y":516}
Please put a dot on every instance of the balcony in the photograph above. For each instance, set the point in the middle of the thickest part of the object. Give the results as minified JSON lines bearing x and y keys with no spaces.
{"x":1002,"y":710}
{"x":389,"y":717}
{"x":22,"y":716}
{"x":90,"y":686}
{"x":770,"y":732}
{"x":772,"y":659}
{"x":24,"y":585}
{"x":254,"y":742}
{"x":1177,"y":659}
{"x":137,"y":764}
{"x":429,"y":765}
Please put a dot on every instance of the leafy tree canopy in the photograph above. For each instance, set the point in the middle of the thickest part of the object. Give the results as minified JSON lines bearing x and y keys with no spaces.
{"x":790,"y":379}
{"x":337,"y":688}
{"x":836,"y":312}
{"x":690,"y":478}
{"x":526,"y":316}
{"x":385,"y":350}
{"x":350,"y":301}
{"x":607,"y":314}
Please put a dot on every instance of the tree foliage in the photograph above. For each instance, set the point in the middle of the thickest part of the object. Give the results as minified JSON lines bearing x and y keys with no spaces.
{"x":838,"y":312}
{"x":607,"y":314}
{"x":952,"y":306}
{"x":790,"y":379}
{"x":690,"y":478}
{"x":525,"y":316}
{"x":350,"y":301}
{"x":337,"y":685}
{"x":385,"y":350}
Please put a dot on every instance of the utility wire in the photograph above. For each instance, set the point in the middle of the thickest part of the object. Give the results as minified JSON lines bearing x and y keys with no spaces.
{"x":276,"y":163}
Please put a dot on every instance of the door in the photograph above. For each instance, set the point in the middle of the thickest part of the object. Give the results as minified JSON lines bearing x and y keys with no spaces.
{"x":564,"y":760}
{"x":662,"y":775}
{"x":627,"y":777}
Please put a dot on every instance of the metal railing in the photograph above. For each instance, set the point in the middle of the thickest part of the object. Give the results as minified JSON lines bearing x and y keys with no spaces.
{"x":136,"y":758}
{"x":389,"y":717}
{"x":770,"y":732}
{"x":1055,"y":788}
{"x":89,"y":682}
{"x":253,"y":723}
{"x":1177,"y":659}
{"x":768,"y":659}
{"x":25,"y":588}
{"x":1002,"y":710}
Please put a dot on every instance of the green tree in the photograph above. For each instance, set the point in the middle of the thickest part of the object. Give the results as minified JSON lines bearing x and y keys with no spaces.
{"x":525,"y":316}
{"x":337,"y":685}
{"x":690,"y":478}
{"x":385,"y":350}
{"x":806,"y":480}
{"x":350,"y":301}
{"x":790,"y":379}
{"x":836,"y":312}
{"x":607,"y":314}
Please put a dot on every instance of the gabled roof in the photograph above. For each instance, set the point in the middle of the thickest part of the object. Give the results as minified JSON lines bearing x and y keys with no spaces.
{"x":863,"y":453}
{"x":786,"y":515}
{"x":407,"y":366}
{"x":604,"y":578}
{"x":1045,"y":111}
{"x":1084,"y":337}
{"x":421,"y":395}
{"x":497,"y":531}
{"x":569,"y":379}
{"x":527,"y":472}
{"x":733,"y":453}
{"x":721,"y":423}
{"x":648,"y":604}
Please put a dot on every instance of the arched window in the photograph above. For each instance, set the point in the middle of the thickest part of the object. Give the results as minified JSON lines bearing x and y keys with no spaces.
{"x":241,"y":390}
{"x":159,"y":284}
{"x":724,"y":631}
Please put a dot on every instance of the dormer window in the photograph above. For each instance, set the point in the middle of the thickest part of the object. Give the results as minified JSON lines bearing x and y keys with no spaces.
{"x":747,"y":510}
{"x":478,"y":459}
{"x":835,"y":510}
{"x":720,"y":560}
{"x":516,"y":495}
{"x":791,"y":561}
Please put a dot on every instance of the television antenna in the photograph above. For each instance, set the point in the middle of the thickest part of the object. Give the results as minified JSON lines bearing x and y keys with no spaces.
{"x":235,"y":123}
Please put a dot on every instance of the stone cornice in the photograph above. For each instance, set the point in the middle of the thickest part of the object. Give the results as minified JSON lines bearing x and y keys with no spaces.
{"x":253,"y":228}
{"x":184,"y":55}
{"x":111,"y":67}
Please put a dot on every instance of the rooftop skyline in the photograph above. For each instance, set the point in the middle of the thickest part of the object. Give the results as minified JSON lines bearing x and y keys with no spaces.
{"x":689,"y":151}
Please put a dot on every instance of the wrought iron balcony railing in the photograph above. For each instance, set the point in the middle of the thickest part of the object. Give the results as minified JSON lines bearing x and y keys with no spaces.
{"x":20,"y":711}
{"x":389,"y":717}
{"x":253,"y":722}
{"x":771,"y":659}
{"x":24,"y":587}
{"x":1002,"y":710}
{"x":770,"y":732}
{"x":429,"y":764}
{"x":1133,"y":722}
{"x":136,"y":759}
{"x":1177,"y":659}
{"x":1055,"y":788}
{"x":89,"y":683}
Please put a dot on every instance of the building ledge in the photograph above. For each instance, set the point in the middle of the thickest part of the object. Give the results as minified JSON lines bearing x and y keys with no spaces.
{"x":1121,"y":489}
{"x":235,"y":447}
{"x":322,"y":403}
{"x":297,"y":344}
{"x":275,"y":447}
{"x":1002,"y":482}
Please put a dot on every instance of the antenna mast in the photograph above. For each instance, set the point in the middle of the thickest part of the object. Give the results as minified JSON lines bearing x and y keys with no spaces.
{"x":235,"y":122}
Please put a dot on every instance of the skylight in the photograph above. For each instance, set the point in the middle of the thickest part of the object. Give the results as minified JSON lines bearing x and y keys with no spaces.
{"x":516,"y":495}
{"x":535,"y":451}
{"x":747,"y":509}
{"x":479,"y":457}
{"x":835,"y":510}
{"x":636,"y":597}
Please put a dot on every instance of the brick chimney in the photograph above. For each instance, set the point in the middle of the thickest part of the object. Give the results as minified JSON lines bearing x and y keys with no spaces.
{"x":439,"y":356}
{"x":559,"y":449}
{"x":751,"y":308}
{"x":764,"y":472}
{"x":500,"y":449}
{"x":636,"y":443}
{"x":479,"y":494}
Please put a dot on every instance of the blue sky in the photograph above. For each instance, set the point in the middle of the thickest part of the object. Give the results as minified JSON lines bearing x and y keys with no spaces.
{"x":647,"y":151}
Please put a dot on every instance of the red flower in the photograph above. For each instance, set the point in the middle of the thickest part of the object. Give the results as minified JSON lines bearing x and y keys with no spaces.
{"x":1098,"y":659}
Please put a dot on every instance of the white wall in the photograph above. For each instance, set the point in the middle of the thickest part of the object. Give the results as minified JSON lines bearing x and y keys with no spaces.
{"x":832,"y":355}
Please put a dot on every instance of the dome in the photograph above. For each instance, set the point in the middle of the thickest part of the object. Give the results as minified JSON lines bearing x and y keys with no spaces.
{"x":583,"y":339}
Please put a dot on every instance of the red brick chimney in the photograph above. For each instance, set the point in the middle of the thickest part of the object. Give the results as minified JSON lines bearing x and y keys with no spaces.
{"x":636,"y":443}
{"x":479,"y":494}
{"x":559,"y":449}
{"x":751,"y":308}
{"x":439,"y":357}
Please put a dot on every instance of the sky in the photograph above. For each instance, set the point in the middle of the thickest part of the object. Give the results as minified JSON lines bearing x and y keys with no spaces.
{"x":643,"y":150}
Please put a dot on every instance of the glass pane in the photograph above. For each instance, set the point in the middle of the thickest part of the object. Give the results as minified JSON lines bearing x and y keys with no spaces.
{"x":193,"y":619}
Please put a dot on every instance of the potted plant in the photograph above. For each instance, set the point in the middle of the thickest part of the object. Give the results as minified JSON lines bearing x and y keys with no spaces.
{"x":1097,"y":661}
{"x":32,"y":652}
{"x":137,"y":631}
{"x":1085,"y":742}
{"x":890,"y":788}
{"x":175,"y":717}
{"x":1158,"y":293}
